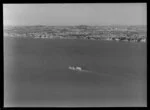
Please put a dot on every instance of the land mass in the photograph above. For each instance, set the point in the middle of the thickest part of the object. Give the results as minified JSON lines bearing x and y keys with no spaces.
{"x":118,"y":33}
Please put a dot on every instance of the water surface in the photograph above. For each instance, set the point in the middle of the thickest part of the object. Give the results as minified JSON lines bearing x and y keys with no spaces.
{"x":36,"y":73}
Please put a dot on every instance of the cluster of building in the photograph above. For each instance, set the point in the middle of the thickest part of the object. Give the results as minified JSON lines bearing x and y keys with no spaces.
{"x":81,"y":32}
{"x":141,"y":39}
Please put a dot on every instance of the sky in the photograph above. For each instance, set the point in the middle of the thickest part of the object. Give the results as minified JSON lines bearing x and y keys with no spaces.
{"x":75,"y":14}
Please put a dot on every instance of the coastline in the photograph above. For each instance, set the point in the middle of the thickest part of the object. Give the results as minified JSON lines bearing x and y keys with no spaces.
{"x":108,"y":33}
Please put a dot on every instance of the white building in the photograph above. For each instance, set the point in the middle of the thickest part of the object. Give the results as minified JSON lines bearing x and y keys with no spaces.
{"x":143,"y":40}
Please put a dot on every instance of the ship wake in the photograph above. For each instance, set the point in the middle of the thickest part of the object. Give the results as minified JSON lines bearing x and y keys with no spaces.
{"x":79,"y":69}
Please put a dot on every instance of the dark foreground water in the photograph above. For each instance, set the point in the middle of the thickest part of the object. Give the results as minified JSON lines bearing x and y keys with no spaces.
{"x":36,"y":73}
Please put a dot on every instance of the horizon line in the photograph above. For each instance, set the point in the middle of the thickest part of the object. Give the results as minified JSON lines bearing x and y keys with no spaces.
{"x":81,"y":25}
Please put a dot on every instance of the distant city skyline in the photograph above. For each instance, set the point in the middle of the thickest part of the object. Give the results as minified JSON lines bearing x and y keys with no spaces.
{"x":75,"y":14}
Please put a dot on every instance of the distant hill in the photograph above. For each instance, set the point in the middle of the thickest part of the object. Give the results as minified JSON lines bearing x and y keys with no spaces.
{"x":79,"y":32}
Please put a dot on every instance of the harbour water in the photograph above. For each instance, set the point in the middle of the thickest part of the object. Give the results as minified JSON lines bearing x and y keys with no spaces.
{"x":36,"y":73}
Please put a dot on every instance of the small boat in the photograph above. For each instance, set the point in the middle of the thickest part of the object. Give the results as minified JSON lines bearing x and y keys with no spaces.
{"x":71,"y":68}
{"x":75,"y":68}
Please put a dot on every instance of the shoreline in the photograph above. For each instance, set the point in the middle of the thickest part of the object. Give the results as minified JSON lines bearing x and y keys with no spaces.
{"x":78,"y":39}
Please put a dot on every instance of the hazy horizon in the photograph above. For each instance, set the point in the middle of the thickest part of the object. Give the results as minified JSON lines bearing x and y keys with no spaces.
{"x":73,"y":25}
{"x":91,"y":14}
